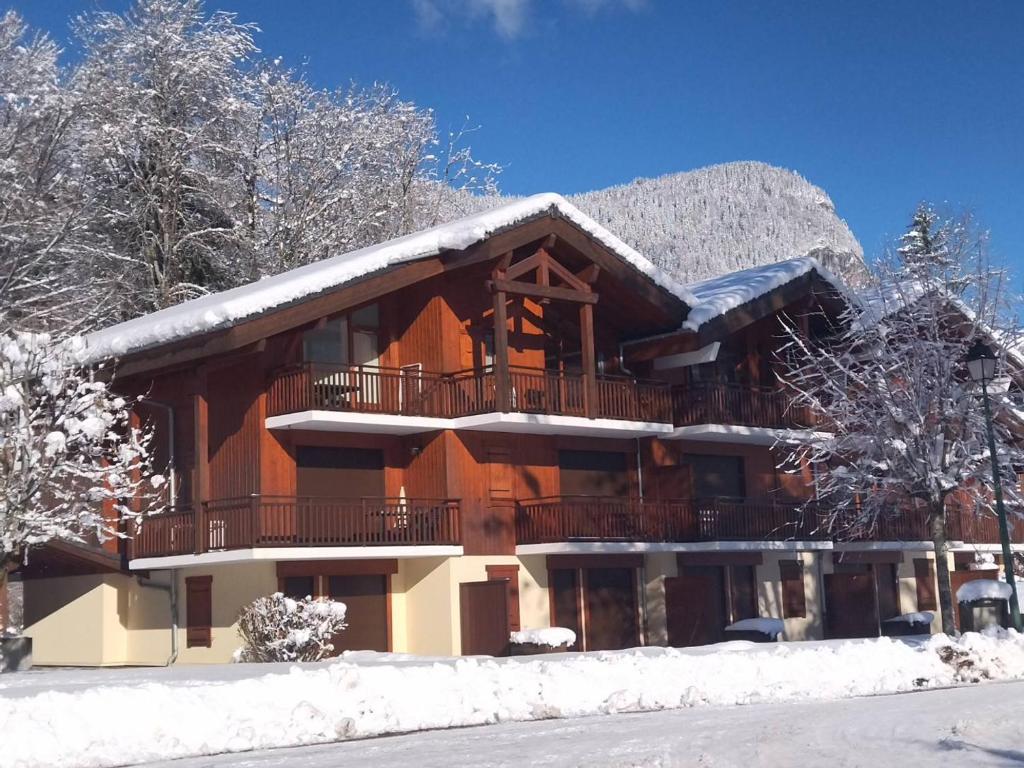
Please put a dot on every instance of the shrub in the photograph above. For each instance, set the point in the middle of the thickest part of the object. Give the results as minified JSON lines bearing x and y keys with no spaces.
{"x":279,"y":628}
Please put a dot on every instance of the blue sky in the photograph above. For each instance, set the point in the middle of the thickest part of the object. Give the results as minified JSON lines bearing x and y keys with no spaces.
{"x":880,"y":103}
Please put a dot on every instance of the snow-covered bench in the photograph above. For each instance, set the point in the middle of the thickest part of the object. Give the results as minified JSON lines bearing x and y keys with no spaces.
{"x":545,"y":640}
{"x":907,"y":624}
{"x":759,"y":630}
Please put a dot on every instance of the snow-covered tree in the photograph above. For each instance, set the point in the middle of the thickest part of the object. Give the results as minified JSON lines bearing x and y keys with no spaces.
{"x":46,"y":250}
{"x":161,"y":90}
{"x":280,"y":628}
{"x":907,"y":433}
{"x":74,"y":466}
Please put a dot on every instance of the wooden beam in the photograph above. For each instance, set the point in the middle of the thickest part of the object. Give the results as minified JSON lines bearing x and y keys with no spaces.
{"x":589,"y":274}
{"x":501,"y":378}
{"x":588,"y":359}
{"x":527,"y":265}
{"x":201,"y":461}
{"x":518,"y":288}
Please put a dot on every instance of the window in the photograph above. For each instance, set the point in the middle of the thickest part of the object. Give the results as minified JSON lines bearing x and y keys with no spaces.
{"x":742,"y":592}
{"x":717,"y":476}
{"x":794,"y":603}
{"x":349,"y":340}
{"x":924,"y":575}
{"x":198,"y":611}
{"x":298,"y":587}
{"x":593,"y":473}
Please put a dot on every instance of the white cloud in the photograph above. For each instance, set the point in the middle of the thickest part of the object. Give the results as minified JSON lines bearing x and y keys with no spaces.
{"x":509,"y":17}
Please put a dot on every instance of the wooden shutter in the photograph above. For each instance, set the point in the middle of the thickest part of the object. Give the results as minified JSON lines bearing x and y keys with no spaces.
{"x":924,"y":575}
{"x":794,"y":602}
{"x":198,"y":611}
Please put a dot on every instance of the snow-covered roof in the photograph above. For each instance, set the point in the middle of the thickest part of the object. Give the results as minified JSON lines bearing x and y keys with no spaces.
{"x":718,"y":295}
{"x":224,"y":309}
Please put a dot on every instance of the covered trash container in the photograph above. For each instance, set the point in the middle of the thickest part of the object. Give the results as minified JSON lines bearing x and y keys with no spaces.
{"x":759,"y":630}
{"x":983,"y":603}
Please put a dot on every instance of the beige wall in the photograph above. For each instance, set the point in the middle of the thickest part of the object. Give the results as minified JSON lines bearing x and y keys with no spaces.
{"x":769,"y":594}
{"x":233,"y":586}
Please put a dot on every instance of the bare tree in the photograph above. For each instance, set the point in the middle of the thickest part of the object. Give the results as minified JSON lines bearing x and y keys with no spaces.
{"x":907,"y":432}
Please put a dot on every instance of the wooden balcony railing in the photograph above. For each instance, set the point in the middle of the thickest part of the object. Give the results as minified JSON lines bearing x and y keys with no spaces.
{"x":738,"y":404}
{"x":594,"y":518}
{"x":413,"y":392}
{"x":288,"y":521}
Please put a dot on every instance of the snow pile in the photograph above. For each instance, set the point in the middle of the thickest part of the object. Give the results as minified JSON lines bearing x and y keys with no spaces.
{"x":719,"y":295}
{"x":316,"y":703}
{"x":553,"y":637}
{"x":221,"y":310}
{"x":983,"y":589}
{"x":770,"y":627}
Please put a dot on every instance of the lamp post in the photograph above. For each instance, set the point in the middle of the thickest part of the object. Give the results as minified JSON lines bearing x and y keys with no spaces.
{"x":981,"y":364}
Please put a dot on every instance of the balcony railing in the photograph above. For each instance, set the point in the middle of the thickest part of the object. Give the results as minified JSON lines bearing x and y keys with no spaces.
{"x":738,"y":404}
{"x":288,"y":521}
{"x":413,"y":392}
{"x":592,"y":518}
{"x":595,"y":518}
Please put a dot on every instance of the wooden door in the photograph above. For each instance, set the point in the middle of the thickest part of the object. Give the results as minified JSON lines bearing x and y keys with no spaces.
{"x":887,"y":586}
{"x":695,"y":606}
{"x":366,"y":598}
{"x":611,"y":620}
{"x":565,"y":603}
{"x":851,"y":607}
{"x":483,"y":613}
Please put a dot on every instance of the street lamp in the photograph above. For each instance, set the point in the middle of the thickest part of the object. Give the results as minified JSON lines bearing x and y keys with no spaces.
{"x":981,"y":364}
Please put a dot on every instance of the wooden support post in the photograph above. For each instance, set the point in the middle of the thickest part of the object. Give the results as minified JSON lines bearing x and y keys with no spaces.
{"x":589,"y":364}
{"x":201,"y":466}
{"x":501,"y":372}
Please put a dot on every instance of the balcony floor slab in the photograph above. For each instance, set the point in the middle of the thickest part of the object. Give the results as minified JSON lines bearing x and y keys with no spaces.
{"x":292,"y":553}
{"x":626,"y":547}
{"x":732,"y":433}
{"x":523,"y":423}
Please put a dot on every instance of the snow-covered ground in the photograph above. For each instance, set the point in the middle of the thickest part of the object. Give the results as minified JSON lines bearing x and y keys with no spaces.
{"x":114,"y":717}
{"x":977,"y":726}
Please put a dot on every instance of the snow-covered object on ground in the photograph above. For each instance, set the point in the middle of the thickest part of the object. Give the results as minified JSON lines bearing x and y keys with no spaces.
{"x":281,"y":628}
{"x":917,"y":617}
{"x":63,"y":717}
{"x":983,"y":589}
{"x":766,"y":626}
{"x":983,"y":561}
{"x":220,"y":310}
{"x":552,"y":637}
{"x":719,"y":295}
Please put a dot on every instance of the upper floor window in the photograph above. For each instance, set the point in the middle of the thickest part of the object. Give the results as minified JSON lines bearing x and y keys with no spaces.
{"x":352,"y":339}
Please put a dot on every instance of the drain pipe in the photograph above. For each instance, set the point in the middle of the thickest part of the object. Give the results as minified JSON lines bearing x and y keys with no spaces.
{"x":644,"y":629}
{"x":171,"y":588}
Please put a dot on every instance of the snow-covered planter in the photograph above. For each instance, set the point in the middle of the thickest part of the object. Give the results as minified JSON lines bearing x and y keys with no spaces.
{"x":907,"y":624}
{"x":547,"y":640}
{"x":759,"y":630}
{"x":279,"y":628}
{"x":983,"y":603}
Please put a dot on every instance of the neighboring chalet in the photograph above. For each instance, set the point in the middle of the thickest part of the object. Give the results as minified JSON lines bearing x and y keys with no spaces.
{"x":511,"y":421}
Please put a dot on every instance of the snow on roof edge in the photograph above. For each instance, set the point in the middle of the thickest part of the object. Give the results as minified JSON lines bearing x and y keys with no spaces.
{"x":718,"y":295}
{"x":226,"y":308}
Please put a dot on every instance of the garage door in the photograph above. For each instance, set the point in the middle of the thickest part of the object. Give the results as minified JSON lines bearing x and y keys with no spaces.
{"x":367,"y":614}
{"x":695,"y":606}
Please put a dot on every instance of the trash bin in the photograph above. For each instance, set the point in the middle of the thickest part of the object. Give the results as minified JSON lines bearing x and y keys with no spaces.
{"x":15,"y":654}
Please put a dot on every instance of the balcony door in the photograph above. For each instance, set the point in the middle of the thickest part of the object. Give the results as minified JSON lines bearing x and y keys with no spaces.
{"x":351,"y":473}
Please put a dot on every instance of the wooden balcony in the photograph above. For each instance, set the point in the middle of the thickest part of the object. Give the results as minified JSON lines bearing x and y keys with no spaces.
{"x":592,"y":518}
{"x":608,"y":519}
{"x":738,"y":405}
{"x":287,"y":521}
{"x":413,"y":392}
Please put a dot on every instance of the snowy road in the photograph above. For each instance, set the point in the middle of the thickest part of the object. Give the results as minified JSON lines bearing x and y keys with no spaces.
{"x":977,"y":726}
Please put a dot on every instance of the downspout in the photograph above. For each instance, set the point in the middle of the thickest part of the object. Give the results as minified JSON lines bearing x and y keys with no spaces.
{"x":170,"y":588}
{"x":639,"y":464}
{"x":640,"y":490}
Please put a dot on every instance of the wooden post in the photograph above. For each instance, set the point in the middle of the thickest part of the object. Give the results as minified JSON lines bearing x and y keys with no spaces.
{"x":589,"y":364}
{"x":501,"y":373}
{"x":201,"y":467}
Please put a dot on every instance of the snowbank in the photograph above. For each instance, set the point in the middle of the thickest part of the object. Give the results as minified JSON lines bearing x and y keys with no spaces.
{"x":553,"y":637}
{"x":174,"y":713}
{"x":983,"y":589}
{"x":770,"y":627}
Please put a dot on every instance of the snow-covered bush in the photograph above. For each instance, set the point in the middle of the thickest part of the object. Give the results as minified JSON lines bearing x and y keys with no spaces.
{"x":280,"y":628}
